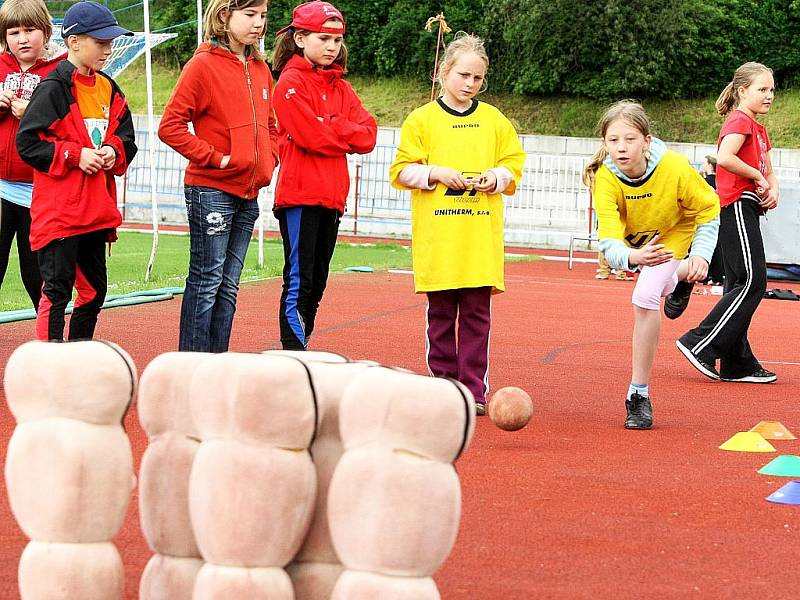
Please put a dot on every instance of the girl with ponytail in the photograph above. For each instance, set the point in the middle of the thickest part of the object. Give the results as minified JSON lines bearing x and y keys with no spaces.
{"x":747,"y":188}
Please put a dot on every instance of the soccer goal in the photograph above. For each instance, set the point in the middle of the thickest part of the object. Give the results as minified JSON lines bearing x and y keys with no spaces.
{"x":125,"y":48}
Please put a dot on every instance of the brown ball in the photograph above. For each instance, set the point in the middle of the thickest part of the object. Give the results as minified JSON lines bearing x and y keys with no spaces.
{"x":510,"y":408}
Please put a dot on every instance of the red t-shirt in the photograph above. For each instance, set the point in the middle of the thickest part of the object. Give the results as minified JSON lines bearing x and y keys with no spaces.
{"x":753,"y":152}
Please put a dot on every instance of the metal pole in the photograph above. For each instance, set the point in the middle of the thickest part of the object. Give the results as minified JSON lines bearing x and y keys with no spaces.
{"x":151,"y":132}
{"x":358,"y":198}
{"x":199,"y":22}
{"x":261,"y":195}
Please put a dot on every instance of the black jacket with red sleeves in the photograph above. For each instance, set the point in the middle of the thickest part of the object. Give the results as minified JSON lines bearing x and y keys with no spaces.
{"x":67,"y":201}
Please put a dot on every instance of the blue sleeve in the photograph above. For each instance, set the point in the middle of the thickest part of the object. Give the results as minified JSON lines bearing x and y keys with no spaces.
{"x":705,"y":240}
{"x":616,"y":253}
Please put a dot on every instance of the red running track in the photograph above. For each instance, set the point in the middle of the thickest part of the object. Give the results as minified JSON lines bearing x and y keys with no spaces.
{"x":573,"y":506}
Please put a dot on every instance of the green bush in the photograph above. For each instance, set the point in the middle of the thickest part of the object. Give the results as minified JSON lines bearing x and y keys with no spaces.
{"x":604,"y":49}
{"x":649,"y":48}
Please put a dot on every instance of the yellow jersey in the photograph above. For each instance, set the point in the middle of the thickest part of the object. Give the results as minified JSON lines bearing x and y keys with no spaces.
{"x":457,"y":235}
{"x":671,"y":202}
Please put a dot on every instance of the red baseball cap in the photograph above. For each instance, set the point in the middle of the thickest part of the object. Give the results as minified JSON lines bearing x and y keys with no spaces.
{"x":311,"y":16}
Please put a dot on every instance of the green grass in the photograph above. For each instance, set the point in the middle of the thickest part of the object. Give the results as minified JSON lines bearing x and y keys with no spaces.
{"x":390,"y":100}
{"x":134,"y":85}
{"x":127,"y":264}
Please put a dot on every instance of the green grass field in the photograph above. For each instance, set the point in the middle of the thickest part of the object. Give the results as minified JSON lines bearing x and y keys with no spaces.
{"x":128,"y":262}
{"x":390,"y":100}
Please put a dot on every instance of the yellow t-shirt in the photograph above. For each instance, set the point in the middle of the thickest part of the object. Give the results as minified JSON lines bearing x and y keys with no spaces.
{"x":457,"y":236}
{"x":93,"y":95}
{"x":670,"y":203}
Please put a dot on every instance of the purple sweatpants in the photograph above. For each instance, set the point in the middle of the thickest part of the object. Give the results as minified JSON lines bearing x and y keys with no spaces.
{"x":464,"y":355}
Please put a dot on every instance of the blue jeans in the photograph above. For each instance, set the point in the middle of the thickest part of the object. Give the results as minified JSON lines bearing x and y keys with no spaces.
{"x":220,"y":229}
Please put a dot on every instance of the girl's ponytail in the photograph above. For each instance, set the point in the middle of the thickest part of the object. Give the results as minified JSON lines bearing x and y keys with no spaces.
{"x":726,"y":101}
{"x":593,"y":165}
{"x":284,"y":49}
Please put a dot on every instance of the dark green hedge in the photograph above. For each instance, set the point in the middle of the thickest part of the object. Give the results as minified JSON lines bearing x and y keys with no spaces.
{"x":601,"y":49}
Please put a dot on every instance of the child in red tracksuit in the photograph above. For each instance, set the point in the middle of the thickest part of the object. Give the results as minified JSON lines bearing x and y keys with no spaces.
{"x":224,"y":91}
{"x":320,"y":121}
{"x":25,"y":29}
{"x":77,"y":133}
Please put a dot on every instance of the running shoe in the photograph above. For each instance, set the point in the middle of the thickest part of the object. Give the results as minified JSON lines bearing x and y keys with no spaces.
{"x":676,"y":302}
{"x":480,"y":409}
{"x":640,"y":412}
{"x":706,"y":368}
{"x":760,"y":375}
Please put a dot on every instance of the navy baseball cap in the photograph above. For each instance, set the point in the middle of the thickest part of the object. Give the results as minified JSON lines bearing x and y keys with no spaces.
{"x":93,"y":19}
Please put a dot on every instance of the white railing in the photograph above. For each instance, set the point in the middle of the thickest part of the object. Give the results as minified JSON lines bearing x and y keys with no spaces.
{"x":550,"y":205}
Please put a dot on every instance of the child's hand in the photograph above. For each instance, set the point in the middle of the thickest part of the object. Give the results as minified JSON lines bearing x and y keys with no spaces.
{"x":762,"y":185}
{"x":6,"y":96}
{"x":448,"y":177}
{"x":769,"y":199}
{"x":697,"y":269}
{"x":18,"y":106}
{"x":109,"y":157}
{"x":650,"y":255}
{"x":486,"y":182}
{"x":225,"y":160}
{"x":91,"y":161}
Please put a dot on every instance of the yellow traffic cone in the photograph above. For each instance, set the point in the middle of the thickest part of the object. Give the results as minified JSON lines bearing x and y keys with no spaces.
{"x":747,"y":441}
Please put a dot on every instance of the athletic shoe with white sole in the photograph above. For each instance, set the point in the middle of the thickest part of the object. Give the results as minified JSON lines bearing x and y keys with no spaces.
{"x":640,"y":412}
{"x":707,"y":369}
{"x":761,"y":375}
{"x":480,"y":409}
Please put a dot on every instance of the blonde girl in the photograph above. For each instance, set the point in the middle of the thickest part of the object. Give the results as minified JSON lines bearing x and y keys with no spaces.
{"x":651,"y":207}
{"x":457,"y":156}
{"x":747,"y":188}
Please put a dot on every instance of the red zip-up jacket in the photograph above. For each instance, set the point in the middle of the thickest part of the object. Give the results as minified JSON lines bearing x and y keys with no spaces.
{"x":12,"y":77}
{"x":320,"y":121}
{"x":66,"y":201}
{"x":229,"y":104}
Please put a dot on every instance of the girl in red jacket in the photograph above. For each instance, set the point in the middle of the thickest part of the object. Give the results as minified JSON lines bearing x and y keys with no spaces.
{"x":225,"y":92}
{"x":320,"y":121}
{"x":25,"y":29}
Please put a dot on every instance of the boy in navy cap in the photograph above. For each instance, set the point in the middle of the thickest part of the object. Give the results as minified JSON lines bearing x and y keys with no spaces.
{"x":77,"y":133}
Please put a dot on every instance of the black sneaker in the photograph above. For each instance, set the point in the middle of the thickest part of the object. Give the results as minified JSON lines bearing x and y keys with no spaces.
{"x":707,"y":369}
{"x":760,"y":375}
{"x":640,"y":412}
{"x":676,"y":302}
{"x":480,"y":409}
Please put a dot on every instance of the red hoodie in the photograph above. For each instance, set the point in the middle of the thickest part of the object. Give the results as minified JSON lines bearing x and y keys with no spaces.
{"x":228,"y":103}
{"x":12,"y":77}
{"x":320,"y":121}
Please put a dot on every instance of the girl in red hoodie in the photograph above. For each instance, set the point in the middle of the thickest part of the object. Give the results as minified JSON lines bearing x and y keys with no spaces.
{"x":320,"y":121}
{"x":25,"y":29}
{"x":225,"y":92}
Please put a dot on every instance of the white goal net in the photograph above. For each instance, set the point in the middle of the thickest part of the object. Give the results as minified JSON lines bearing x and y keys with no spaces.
{"x":125,"y":48}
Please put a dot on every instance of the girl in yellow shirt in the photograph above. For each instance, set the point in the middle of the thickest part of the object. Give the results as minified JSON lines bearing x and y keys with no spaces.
{"x":652,"y":206}
{"x":457,"y":156}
